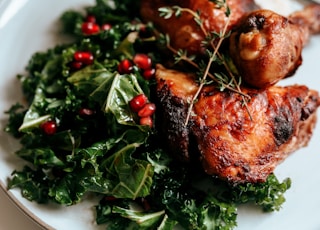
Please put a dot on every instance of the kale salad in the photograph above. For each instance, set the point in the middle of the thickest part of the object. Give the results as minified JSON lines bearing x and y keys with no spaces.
{"x":89,"y":127}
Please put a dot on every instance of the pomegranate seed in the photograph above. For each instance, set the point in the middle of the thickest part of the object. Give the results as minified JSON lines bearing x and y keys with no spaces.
{"x":147,"y":110}
{"x":146,"y":121}
{"x":91,"y":18}
{"x":49,"y":127}
{"x":125,"y":66}
{"x":148,"y":73}
{"x":84,"y":57}
{"x":145,"y":204}
{"x":144,"y":32}
{"x":86,"y":112}
{"x":110,"y":198}
{"x":142,"y":29}
{"x":75,"y":65}
{"x":138,"y":102}
{"x":143,"y":61}
{"x":89,"y":28}
{"x":106,"y":26}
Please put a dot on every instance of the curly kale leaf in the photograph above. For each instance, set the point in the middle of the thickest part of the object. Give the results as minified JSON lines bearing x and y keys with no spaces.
{"x":117,"y":12}
{"x":105,"y":168}
{"x":34,"y":184}
{"x":194,"y":209}
{"x":16,"y":114}
{"x":269,"y":195}
{"x":40,"y":157}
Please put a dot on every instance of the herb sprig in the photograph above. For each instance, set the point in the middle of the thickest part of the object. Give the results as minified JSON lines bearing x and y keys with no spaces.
{"x":213,"y":42}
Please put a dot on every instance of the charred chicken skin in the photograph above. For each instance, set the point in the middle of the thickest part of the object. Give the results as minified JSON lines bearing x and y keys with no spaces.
{"x":231,"y":142}
{"x":235,"y":142}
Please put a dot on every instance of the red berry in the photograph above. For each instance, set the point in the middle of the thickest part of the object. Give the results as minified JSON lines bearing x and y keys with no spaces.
{"x":91,"y":18}
{"x":49,"y":127}
{"x":142,"y":29}
{"x":125,"y":66}
{"x":146,"y":121}
{"x":110,"y":198}
{"x":148,"y":73}
{"x":89,"y":28}
{"x":76,"y":65}
{"x":138,"y":102}
{"x":147,"y":110}
{"x":84,"y":57}
{"x":106,"y":26}
{"x":144,"y":32}
{"x":145,"y":204}
{"x":86,"y":112}
{"x":143,"y":61}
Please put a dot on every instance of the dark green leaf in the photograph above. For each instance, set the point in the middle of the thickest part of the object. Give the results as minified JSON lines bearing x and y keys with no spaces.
{"x":33,"y":184}
{"x":41,"y":157}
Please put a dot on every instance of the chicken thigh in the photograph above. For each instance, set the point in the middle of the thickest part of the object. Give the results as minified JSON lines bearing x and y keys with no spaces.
{"x":231,"y":142}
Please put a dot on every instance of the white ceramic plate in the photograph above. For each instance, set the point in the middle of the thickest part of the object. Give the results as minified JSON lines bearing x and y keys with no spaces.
{"x":30,"y":26}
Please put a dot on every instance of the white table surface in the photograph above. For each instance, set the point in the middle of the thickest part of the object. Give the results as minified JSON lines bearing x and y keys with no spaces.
{"x":12,"y":218}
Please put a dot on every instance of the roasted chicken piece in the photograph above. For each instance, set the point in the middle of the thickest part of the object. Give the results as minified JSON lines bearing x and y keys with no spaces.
{"x":183,"y":31}
{"x":308,"y":18}
{"x":266,"y":47}
{"x":231,"y":142}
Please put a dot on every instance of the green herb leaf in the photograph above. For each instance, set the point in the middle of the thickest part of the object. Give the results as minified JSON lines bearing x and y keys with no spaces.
{"x":132,"y":177}
{"x":142,"y":219}
{"x":43,"y":157}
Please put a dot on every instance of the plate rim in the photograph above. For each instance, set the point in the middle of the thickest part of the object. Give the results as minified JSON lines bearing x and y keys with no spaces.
{"x":15,"y":199}
{"x":22,"y":208}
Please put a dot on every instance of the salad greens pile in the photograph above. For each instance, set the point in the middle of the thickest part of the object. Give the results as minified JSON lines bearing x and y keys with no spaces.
{"x":96,"y":144}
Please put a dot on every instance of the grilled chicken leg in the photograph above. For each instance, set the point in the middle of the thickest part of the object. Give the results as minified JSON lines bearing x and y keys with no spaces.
{"x":231,"y":142}
{"x":309,"y":17}
{"x":266,"y":47}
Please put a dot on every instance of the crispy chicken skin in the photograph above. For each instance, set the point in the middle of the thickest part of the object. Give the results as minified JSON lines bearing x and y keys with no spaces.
{"x":183,"y":31}
{"x":309,"y":18}
{"x":235,"y":142}
{"x":266,"y":47}
{"x":221,"y":134}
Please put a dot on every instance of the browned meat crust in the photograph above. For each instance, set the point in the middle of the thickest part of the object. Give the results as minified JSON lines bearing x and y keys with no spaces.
{"x":229,"y":143}
{"x":309,"y":17}
{"x":266,"y":47}
{"x":183,"y":31}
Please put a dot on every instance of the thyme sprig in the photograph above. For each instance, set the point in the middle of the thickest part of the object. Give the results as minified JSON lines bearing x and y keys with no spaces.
{"x":222,"y":4}
{"x":213,"y":42}
{"x":223,"y":82}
